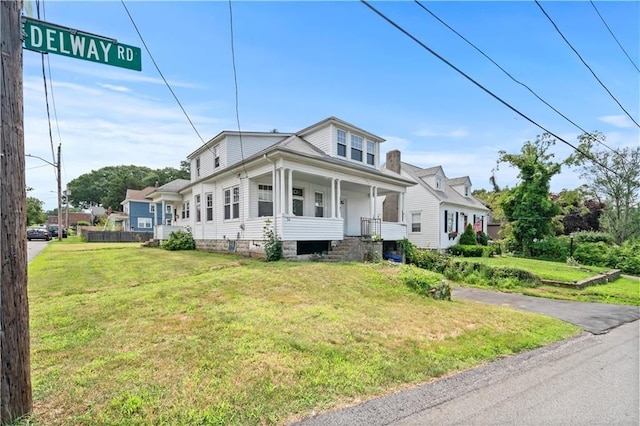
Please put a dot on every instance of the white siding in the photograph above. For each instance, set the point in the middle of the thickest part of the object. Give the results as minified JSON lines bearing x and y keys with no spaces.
{"x":311,"y":229}
{"x":419,"y":200}
{"x":250,"y":146}
{"x":323,"y":139}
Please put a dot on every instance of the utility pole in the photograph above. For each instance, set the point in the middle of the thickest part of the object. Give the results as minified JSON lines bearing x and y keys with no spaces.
{"x":15,"y":370}
{"x":59,"y":176}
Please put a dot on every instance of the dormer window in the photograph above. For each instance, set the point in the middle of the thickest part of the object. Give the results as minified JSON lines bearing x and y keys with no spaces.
{"x":198,"y":167}
{"x":371,"y":153}
{"x":216,"y":157}
{"x":438,"y":183}
{"x":342,"y":143}
{"x":356,"y":148}
{"x":466,"y":190}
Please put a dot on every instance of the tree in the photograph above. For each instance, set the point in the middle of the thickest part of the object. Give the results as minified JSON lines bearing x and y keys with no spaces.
{"x":527,"y":207}
{"x":108,"y":186}
{"x":35,"y":214}
{"x":613,"y":178}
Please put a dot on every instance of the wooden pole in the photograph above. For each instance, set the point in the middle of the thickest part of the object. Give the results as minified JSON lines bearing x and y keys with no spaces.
{"x":15,"y":374}
{"x":59,"y":193}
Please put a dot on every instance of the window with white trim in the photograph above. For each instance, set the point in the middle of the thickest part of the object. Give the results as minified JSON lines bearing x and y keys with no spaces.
{"x":167,"y":208}
{"x":416,"y":222}
{"x":232,"y":203}
{"x":371,"y":153}
{"x":265,"y":200}
{"x":152,"y":208}
{"x":466,"y":191}
{"x":216,"y":157}
{"x":198,"y":206}
{"x":209,"y":200}
{"x":438,"y":183}
{"x":298,"y":201}
{"x":145,"y":222}
{"x":319,"y":204}
{"x":185,"y":210}
{"x":356,"y":148}
{"x":198,"y":167}
{"x":342,"y":142}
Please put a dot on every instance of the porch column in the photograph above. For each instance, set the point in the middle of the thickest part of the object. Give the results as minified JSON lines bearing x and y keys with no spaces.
{"x":401,"y":207}
{"x":333,"y":198}
{"x":274,"y":194}
{"x":283,"y":188}
{"x":375,"y":199}
{"x":371,"y":202}
{"x":290,"y":192}
{"x":339,"y":196}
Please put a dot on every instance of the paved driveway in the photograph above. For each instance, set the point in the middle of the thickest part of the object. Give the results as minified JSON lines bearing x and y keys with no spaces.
{"x":35,"y":247}
{"x":596,"y":318}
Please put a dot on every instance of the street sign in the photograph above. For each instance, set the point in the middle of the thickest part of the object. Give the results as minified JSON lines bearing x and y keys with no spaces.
{"x":46,"y":37}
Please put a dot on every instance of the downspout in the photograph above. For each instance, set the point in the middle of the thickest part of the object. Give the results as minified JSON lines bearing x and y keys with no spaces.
{"x":273,"y":185}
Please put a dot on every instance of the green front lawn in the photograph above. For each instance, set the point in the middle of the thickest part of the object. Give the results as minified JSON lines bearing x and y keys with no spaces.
{"x":124,"y":335}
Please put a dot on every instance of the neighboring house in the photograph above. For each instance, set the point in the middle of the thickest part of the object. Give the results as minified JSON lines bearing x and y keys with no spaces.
{"x":439,"y":209}
{"x":314,"y":188}
{"x":139,"y":212}
{"x":70,"y":219}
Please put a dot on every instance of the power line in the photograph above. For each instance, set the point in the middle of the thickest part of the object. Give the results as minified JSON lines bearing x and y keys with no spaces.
{"x":509,"y":75}
{"x":489,"y":92}
{"x":162,"y":75}
{"x":614,"y":37}
{"x":585,"y":64}
{"x":235,"y":81}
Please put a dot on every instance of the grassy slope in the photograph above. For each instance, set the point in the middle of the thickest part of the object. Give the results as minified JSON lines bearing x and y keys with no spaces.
{"x":624,"y":291}
{"x":125,"y":335}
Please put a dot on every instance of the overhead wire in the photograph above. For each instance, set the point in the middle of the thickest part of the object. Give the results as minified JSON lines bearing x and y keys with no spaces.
{"x":426,"y":9}
{"x":235,"y":81}
{"x":613,"y":35}
{"x":155,"y":64}
{"x":585,"y":63}
{"x":483,"y":88}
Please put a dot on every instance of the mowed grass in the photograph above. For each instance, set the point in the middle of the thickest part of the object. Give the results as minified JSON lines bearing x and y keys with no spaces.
{"x":541,"y":268}
{"x":124,"y":335}
{"x":623,"y":291}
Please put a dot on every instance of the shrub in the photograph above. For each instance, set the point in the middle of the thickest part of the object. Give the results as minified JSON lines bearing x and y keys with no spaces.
{"x":551,"y":248}
{"x":466,"y":250}
{"x":468,"y":237}
{"x":593,"y":237}
{"x":179,"y":240}
{"x":592,"y":253}
{"x":83,"y":223}
{"x":482,"y":238}
{"x":426,"y":283}
{"x":272,"y":244}
{"x":626,"y":257}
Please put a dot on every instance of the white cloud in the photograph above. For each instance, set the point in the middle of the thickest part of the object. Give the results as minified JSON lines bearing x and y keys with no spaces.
{"x":621,"y":121}
{"x":115,"y":88}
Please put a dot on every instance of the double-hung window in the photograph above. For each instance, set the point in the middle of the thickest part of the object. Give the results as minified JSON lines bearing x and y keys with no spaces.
{"x":152,"y":208}
{"x":356,"y":148}
{"x":198,"y":167}
{"x":371,"y":153}
{"x":265,"y":200}
{"x":145,"y":222}
{"x":342,"y":143}
{"x":232,"y":203}
{"x":185,"y":210}
{"x":198,"y":207}
{"x":416,"y":223}
{"x":319,"y":204}
{"x":216,"y":157}
{"x":209,"y":200}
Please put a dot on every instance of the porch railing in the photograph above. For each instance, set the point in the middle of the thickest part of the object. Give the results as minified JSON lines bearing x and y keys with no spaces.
{"x":370,"y":226}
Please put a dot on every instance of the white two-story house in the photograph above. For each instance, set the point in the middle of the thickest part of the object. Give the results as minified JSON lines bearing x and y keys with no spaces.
{"x":313,"y":188}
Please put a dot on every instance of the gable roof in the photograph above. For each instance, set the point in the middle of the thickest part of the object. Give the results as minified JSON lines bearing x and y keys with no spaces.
{"x":138,"y":194}
{"x":447,"y":194}
{"x":173,"y":186}
{"x":342,"y":123}
{"x":462,"y":180}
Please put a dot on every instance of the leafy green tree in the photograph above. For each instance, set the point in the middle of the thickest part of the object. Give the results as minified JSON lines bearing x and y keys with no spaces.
{"x":35,"y":214}
{"x":613,"y":177}
{"x":108,"y":186}
{"x":468,"y":237}
{"x":528,"y":207}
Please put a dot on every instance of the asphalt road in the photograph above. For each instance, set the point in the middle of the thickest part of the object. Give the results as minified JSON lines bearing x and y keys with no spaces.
{"x":34,"y":247}
{"x":592,"y":379}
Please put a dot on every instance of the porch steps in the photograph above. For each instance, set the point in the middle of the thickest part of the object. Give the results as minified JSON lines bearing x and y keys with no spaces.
{"x":346,"y":250}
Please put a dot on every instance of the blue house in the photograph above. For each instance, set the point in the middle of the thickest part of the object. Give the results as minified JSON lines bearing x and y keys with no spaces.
{"x":140,"y":211}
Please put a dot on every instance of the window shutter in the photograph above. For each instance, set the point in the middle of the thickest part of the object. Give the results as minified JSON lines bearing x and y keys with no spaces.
{"x":445,"y":221}
{"x":456,"y":221}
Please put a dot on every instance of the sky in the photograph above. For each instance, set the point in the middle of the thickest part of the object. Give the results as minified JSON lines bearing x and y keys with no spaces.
{"x":298,"y":63}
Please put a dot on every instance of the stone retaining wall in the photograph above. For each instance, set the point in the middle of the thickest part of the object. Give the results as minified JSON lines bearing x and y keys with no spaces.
{"x":602,"y":278}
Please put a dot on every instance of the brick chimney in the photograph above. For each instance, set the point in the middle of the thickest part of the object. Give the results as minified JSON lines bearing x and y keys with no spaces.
{"x":390,"y":203}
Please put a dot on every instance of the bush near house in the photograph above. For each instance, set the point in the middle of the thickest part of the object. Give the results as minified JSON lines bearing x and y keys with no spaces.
{"x":179,"y":240}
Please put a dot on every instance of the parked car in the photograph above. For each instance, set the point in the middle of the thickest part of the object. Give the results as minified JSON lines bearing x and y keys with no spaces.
{"x":38,"y":233}
{"x":53,"y":230}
